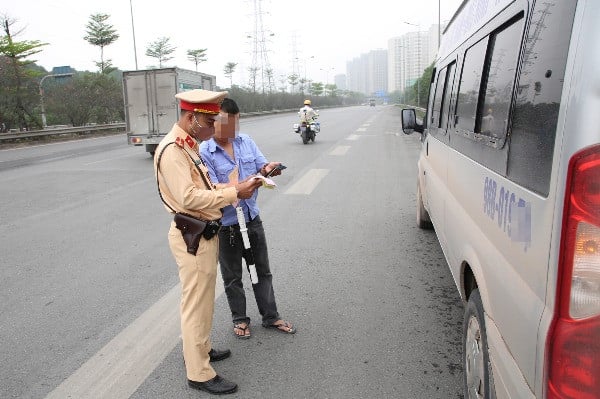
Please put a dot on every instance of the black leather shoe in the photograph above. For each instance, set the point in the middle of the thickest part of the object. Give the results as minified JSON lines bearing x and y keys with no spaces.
{"x":216,"y":355}
{"x":216,"y":386}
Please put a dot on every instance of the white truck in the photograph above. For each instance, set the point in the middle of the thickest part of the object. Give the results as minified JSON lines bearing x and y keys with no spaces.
{"x":150,"y":105}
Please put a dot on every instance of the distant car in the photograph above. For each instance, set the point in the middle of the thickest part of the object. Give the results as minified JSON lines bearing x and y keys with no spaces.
{"x":372,"y":102}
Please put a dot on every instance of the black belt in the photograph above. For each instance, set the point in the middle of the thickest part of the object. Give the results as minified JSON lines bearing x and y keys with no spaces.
{"x":237,"y":226}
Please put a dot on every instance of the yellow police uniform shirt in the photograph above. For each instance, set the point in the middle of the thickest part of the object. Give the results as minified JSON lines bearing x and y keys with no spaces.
{"x":180,"y":182}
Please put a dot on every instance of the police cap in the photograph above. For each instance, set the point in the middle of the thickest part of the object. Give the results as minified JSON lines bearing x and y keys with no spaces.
{"x":199,"y":100}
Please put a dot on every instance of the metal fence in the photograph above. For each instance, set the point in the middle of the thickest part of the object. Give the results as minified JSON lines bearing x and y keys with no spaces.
{"x":62,"y":131}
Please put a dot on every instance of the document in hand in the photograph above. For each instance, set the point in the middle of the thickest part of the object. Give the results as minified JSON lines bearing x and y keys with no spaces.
{"x":266,"y":182}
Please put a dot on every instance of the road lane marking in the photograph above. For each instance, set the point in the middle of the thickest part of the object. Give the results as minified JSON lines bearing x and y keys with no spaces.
{"x":307,"y":183}
{"x":361,"y":129}
{"x":353,"y":137}
{"x":55,"y":143}
{"x":118,"y":369}
{"x":107,"y":159}
{"x":340,"y":150}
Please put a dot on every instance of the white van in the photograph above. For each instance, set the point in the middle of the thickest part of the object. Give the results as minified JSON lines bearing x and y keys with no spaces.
{"x":509,"y":177}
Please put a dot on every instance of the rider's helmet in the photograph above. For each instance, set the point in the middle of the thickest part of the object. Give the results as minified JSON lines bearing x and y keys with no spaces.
{"x":306,"y":102}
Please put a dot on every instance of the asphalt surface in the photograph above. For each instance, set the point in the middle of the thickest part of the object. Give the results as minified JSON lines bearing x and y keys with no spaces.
{"x":88,"y":305}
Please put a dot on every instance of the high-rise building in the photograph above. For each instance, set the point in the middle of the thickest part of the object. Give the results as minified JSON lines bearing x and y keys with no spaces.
{"x":398,"y":67}
{"x":409,"y":55}
{"x":367,"y":74}
{"x":340,"y":81}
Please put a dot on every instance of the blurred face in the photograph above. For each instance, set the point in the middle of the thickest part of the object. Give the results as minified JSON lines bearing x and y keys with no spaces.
{"x":227,"y":127}
{"x":202,"y":126}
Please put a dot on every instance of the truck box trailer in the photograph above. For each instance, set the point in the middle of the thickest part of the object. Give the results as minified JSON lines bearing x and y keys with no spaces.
{"x":150,"y":105}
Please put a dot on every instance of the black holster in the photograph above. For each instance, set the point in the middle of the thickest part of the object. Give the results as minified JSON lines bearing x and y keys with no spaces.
{"x":191,"y":229}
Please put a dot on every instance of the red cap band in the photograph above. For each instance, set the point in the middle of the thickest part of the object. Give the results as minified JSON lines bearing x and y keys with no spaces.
{"x":206,"y":108}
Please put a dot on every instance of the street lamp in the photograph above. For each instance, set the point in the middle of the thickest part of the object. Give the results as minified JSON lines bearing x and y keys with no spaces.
{"x":418,"y":59}
{"x":133,"y":32}
{"x":327,"y":73}
{"x":439,"y":22}
{"x":305,"y":65}
{"x":56,"y":75}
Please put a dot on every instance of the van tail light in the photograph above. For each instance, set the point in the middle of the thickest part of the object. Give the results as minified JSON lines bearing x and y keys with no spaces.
{"x":572,"y":365}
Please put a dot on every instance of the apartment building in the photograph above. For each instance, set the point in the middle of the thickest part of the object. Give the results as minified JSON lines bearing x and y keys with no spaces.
{"x":368,"y":73}
{"x":409,"y":55}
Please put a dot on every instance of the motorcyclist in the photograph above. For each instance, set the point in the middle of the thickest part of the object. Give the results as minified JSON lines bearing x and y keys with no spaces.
{"x":307,"y":114}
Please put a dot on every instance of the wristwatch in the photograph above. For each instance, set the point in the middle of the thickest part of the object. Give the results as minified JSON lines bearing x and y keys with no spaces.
{"x":263,"y":170}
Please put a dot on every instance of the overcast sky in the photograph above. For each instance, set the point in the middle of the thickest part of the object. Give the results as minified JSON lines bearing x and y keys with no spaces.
{"x":331,"y":31}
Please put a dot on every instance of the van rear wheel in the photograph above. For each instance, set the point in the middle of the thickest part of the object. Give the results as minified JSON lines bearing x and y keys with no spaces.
{"x":423,"y":219}
{"x":476,"y":360}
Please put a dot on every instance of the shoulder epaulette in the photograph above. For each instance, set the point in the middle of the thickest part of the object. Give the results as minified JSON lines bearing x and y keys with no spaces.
{"x":190,"y":141}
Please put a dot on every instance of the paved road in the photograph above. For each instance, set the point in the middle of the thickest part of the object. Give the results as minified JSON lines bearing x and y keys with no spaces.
{"x":88,"y":305}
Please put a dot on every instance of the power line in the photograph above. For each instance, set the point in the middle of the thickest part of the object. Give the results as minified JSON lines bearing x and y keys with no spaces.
{"x":260,"y":67}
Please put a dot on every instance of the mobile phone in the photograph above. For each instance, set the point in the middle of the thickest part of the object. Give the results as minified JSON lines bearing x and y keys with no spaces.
{"x":278,"y":167}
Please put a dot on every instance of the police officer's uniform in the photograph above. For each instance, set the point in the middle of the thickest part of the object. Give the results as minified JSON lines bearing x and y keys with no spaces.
{"x":183,"y":188}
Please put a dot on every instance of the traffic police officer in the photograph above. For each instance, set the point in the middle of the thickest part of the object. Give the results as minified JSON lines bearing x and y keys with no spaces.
{"x":184,"y":187}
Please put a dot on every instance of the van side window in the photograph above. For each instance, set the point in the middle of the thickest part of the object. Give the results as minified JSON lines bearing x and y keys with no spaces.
{"x":470,"y":84}
{"x":437,"y":100}
{"x":503,"y":50}
{"x":447,"y":94}
{"x":539,"y":92}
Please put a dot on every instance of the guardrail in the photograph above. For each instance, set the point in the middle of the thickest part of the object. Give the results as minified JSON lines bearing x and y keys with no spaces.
{"x":88,"y":129}
{"x":31,"y":135}
{"x":78,"y":130}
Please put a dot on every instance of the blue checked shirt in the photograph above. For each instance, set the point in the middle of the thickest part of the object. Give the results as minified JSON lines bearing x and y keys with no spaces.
{"x":220,"y":165}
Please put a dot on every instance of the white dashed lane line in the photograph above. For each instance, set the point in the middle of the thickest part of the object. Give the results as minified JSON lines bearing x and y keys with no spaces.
{"x":340,"y":150}
{"x":307,"y":183}
{"x":118,"y":369}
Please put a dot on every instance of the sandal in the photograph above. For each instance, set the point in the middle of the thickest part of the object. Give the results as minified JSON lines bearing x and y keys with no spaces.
{"x":244,"y":328}
{"x":283,"y":326}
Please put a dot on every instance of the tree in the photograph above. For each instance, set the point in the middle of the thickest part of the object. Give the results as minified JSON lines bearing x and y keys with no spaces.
{"x":253,"y":74}
{"x":228,"y":71}
{"x":316,"y":88}
{"x":160,"y":49}
{"x":197,"y":56}
{"x":422,"y":86}
{"x":282,"y":82}
{"x":19,"y":75}
{"x":87,"y":97}
{"x":101,"y":34}
{"x":303,"y":84}
{"x":270,"y":80}
{"x":331,"y":89}
{"x":293,"y":81}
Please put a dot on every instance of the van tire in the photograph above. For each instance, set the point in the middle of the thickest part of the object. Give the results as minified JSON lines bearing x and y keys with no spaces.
{"x":423,"y":219}
{"x":477,"y":374}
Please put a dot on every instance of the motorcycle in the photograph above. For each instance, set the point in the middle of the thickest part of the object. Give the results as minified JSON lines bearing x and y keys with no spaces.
{"x":307,"y":128}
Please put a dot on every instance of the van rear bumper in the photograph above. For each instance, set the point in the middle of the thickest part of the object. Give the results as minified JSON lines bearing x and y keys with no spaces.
{"x":507,"y":377}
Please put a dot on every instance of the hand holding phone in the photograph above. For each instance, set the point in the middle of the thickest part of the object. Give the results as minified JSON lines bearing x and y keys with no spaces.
{"x":278,"y":167}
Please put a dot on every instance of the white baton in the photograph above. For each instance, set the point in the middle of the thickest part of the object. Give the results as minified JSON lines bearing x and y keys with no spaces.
{"x":242,"y":222}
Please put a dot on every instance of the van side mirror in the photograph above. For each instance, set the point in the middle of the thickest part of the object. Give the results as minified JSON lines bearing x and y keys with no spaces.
{"x":409,"y":121}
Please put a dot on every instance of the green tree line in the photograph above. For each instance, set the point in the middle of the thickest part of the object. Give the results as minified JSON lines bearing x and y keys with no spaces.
{"x":31,"y":97}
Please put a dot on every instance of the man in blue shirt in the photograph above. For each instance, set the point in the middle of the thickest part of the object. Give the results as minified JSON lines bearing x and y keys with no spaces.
{"x":231,"y":156}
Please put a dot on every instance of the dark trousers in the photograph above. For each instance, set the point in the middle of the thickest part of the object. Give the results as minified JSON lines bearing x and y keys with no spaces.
{"x":231,"y":252}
